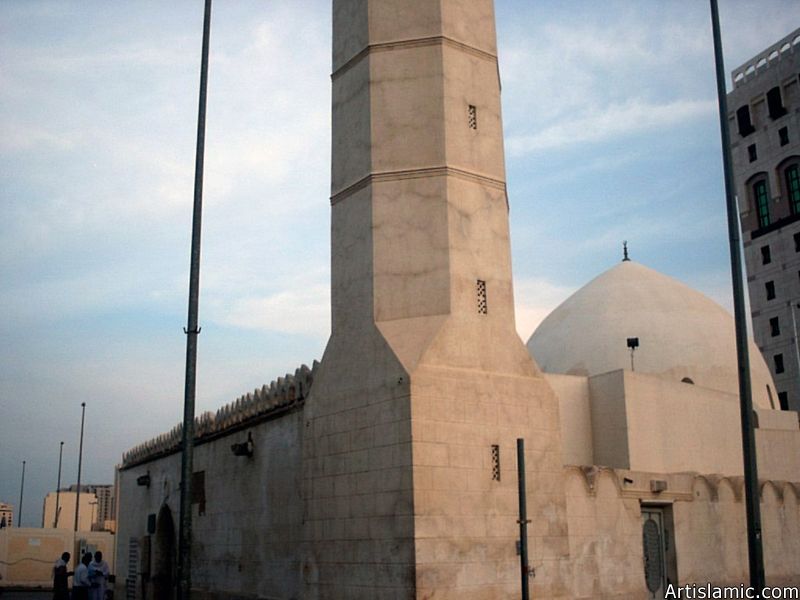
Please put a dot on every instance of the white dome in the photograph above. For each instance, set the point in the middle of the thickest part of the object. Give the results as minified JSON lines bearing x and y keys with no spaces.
{"x":682,"y":333}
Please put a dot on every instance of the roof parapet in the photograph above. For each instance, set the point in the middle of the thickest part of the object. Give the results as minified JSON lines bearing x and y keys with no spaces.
{"x":763,"y":60}
{"x":281,"y":393}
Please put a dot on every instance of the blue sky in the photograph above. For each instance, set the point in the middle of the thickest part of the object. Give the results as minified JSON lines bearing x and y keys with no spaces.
{"x":611,"y":134}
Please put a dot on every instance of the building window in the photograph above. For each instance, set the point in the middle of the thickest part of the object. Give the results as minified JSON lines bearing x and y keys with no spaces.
{"x":744,"y":122}
{"x":783,"y":135}
{"x":775,"y":103}
{"x":766,"y":258}
{"x":783,"y":400}
{"x":774,"y":327}
{"x":752,"y":154}
{"x":792,"y":176}
{"x":796,"y":238}
{"x":480,"y":288}
{"x":778,"y":359}
{"x":495,"y":462}
{"x":472,"y":117}
{"x":762,"y":202}
{"x":770,"y":286}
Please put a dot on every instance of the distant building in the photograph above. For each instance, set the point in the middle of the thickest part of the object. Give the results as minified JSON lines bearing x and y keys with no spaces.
{"x":105,"y":508}
{"x":765,"y":144}
{"x":65,"y":500}
{"x":6,"y":515}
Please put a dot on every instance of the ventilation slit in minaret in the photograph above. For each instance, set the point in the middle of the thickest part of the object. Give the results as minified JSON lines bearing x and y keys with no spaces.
{"x":495,"y":462}
{"x":472,"y":117}
{"x":480,"y":287}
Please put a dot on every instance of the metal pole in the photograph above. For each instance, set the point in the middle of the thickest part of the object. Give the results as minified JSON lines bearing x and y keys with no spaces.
{"x":753,"y":509}
{"x":796,"y":343}
{"x":80,"y":464}
{"x":58,"y":485}
{"x":192,"y":330}
{"x":21,"y":490}
{"x":523,"y":520}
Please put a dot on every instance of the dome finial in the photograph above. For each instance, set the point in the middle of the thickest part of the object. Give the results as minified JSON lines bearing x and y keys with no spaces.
{"x":625,"y":251}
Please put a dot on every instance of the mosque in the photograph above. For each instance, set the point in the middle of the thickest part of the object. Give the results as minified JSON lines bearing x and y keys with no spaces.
{"x":389,"y":468}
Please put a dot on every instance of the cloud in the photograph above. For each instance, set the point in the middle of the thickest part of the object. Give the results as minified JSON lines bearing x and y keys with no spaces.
{"x":615,"y":120}
{"x":534,"y":299}
{"x":304,"y":311}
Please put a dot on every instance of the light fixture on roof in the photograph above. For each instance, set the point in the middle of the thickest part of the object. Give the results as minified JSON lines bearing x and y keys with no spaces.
{"x":633,"y":344}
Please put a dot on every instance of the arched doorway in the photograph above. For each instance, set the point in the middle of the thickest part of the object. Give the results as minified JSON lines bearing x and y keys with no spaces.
{"x":163,"y":567}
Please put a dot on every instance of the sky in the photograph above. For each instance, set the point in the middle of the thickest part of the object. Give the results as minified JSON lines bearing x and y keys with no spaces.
{"x":611,"y":134}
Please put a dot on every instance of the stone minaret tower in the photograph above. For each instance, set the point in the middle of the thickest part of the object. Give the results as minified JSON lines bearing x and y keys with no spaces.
{"x":410,"y":477}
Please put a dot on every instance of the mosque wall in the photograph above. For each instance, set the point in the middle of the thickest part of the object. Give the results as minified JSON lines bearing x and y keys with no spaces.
{"x":247,"y":511}
{"x":705,"y":526}
{"x":248,"y":518}
{"x":574,"y":409}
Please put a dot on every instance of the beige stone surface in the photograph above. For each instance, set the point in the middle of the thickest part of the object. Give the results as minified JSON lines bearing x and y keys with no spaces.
{"x":66,"y":503}
{"x":681,"y":332}
{"x":247,"y":514}
{"x":574,"y":407}
{"x":27,"y":554}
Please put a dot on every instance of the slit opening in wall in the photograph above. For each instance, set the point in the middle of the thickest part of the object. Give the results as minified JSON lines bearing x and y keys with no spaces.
{"x":480,"y":288}
{"x":495,"y":462}
{"x":472,"y":116}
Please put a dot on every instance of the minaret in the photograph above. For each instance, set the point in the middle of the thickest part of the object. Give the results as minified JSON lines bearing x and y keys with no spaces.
{"x":410,"y":476}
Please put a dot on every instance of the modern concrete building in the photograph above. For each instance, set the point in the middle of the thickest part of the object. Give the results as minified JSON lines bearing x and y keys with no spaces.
{"x":66,"y":510}
{"x":765,"y":142}
{"x":6,"y":515}
{"x":389,"y":469}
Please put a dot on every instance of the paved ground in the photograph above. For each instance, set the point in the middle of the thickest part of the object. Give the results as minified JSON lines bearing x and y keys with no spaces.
{"x":28,"y":595}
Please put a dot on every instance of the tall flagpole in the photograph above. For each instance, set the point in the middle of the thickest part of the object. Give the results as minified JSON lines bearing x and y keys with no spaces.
{"x":753,"y":508}
{"x":80,"y":464}
{"x":191,"y":331}
{"x":21,"y":490}
{"x":58,"y":485}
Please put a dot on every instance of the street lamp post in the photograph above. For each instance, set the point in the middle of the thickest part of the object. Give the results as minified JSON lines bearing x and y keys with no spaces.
{"x":58,"y":485}
{"x":94,"y":506}
{"x":80,"y":464}
{"x":21,"y":490}
{"x":792,"y":306}
{"x":752,"y":507}
{"x":192,"y":330}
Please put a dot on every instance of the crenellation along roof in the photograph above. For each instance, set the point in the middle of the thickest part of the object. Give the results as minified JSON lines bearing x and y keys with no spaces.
{"x":281,"y":394}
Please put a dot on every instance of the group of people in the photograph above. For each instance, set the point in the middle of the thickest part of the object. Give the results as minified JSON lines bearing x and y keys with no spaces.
{"x":89,"y":580}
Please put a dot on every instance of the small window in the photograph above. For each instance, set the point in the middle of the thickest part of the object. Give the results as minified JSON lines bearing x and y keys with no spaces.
{"x":762,"y":202}
{"x":472,"y":117}
{"x":480,"y":288}
{"x":752,"y":154}
{"x":766,"y":257}
{"x":744,"y":122}
{"x":783,"y":135}
{"x":770,"y":287}
{"x":792,"y":176}
{"x":778,"y":359}
{"x":495,"y":462}
{"x":775,"y":103}
{"x":796,"y":238}
{"x":774,"y":327}
{"x":783,"y":400}
{"x":687,"y":380}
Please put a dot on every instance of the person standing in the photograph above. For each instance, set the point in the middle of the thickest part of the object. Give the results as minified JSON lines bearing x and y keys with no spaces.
{"x":60,"y":575}
{"x":80,"y":581}
{"x":98,"y":576}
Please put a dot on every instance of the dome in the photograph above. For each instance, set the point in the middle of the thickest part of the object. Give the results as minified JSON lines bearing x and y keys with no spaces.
{"x":683,"y":334}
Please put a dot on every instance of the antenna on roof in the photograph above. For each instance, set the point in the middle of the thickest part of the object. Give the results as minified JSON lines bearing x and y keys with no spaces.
{"x":625,"y":251}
